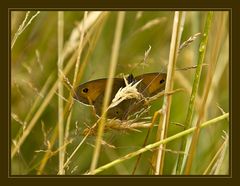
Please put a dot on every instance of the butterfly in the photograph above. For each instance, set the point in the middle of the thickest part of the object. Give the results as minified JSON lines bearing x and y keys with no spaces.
{"x":92,"y":93}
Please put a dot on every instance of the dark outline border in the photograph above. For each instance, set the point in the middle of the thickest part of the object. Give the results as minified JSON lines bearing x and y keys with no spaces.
{"x":128,"y":176}
{"x":184,"y":3}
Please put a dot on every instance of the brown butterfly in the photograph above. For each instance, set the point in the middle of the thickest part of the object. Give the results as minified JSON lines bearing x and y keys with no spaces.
{"x":92,"y":93}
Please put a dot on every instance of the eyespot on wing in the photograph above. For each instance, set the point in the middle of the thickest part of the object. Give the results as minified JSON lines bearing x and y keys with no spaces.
{"x":90,"y":91}
{"x":153,"y":82}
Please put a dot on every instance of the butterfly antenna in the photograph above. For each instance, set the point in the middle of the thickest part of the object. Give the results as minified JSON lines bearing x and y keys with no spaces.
{"x":130,"y":79}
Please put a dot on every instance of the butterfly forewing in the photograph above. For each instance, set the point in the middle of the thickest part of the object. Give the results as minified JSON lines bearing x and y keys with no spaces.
{"x":152,"y":83}
{"x":92,"y":90}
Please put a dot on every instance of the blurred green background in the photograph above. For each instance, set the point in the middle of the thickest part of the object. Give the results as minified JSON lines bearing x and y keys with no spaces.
{"x":34,"y":59}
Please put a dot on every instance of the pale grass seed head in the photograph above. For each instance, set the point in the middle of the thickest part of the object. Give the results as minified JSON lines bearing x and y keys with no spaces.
{"x":128,"y":92}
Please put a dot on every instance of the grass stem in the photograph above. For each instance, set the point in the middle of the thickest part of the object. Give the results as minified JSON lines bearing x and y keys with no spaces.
{"x":179,"y":19}
{"x":60,"y":91}
{"x":113,"y":64}
{"x":23,"y":26}
{"x":188,"y":121}
{"x":67,"y":108}
{"x":156,"y":144}
{"x":51,"y":93}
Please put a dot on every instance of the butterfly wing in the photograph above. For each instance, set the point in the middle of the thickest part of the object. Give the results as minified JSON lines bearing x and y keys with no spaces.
{"x":90,"y":92}
{"x":152,"y":83}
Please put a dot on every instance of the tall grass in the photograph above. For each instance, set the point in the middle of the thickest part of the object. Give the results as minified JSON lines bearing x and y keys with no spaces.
{"x":211,"y":70}
{"x":48,"y":97}
{"x":156,"y":144}
{"x":179,"y":19}
{"x":106,"y":101}
{"x":202,"y":51}
{"x":60,"y":91}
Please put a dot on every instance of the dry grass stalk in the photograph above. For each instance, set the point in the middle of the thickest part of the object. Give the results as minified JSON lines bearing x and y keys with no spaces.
{"x":23,"y":26}
{"x":154,"y":119}
{"x":18,"y":120}
{"x":80,"y":48}
{"x":208,"y":85}
{"x":156,"y":144}
{"x":73,"y":40}
{"x":98,"y":25}
{"x":128,"y":92}
{"x":186,"y":43}
{"x":113,"y":64}
{"x":151,"y":24}
{"x":60,"y":92}
{"x":195,"y":87}
{"x":120,"y":125}
{"x":178,"y":23}
{"x":216,"y":162}
{"x":51,"y":92}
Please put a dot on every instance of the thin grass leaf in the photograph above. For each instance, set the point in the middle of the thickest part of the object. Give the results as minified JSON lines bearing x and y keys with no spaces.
{"x":156,"y":144}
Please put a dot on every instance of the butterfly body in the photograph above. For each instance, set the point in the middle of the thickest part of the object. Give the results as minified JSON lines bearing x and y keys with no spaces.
{"x":92,"y":93}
